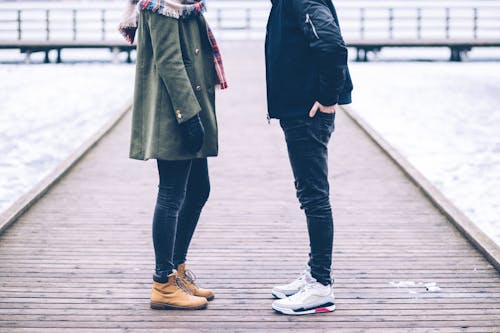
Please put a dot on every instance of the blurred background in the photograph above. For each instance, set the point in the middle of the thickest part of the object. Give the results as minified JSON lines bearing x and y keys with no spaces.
{"x":426,"y":76}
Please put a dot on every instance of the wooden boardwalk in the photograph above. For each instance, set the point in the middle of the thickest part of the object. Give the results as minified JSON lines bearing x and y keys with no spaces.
{"x":81,"y":259}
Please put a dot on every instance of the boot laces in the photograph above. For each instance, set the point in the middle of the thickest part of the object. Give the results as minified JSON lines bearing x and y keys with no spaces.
{"x":183,"y":286}
{"x":189,"y":275}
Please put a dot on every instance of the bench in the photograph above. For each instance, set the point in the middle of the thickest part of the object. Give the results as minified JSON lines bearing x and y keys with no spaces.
{"x":29,"y":47}
{"x":458,"y":47}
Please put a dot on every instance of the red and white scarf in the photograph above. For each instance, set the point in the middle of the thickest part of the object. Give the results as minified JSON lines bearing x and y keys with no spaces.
{"x":178,"y":9}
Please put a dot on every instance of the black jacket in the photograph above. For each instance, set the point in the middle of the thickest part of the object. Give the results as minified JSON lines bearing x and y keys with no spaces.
{"x":306,"y":58}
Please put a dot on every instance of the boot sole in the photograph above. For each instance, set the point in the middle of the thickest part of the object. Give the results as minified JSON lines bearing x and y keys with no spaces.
{"x":211,"y":298}
{"x":163,"y":306}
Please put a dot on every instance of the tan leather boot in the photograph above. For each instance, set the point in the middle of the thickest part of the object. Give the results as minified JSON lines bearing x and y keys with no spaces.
{"x":188,"y":279}
{"x":172,"y":296}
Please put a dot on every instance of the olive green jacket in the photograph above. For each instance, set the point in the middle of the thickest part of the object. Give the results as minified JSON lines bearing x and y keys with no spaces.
{"x":175,"y":80}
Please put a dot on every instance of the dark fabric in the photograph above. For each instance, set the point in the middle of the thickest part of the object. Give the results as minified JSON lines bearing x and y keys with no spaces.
{"x":194,"y":133}
{"x":306,"y":58}
{"x":307,"y":141}
{"x":183,"y":191}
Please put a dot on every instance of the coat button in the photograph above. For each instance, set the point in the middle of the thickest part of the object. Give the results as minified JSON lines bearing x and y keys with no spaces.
{"x":198,"y":88}
{"x":179,"y":115}
{"x":197,"y":51}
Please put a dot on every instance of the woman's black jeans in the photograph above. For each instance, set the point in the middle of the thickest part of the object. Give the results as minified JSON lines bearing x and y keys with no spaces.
{"x":307,"y":141}
{"x":183,"y":191}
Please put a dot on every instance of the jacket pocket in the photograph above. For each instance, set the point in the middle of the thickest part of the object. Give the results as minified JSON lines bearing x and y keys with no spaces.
{"x":311,"y":28}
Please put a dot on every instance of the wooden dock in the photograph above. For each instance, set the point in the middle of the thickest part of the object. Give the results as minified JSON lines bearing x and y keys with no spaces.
{"x":81,"y":259}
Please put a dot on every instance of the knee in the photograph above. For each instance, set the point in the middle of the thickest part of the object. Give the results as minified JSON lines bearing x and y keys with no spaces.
{"x":197,"y":195}
{"x":317,"y":205}
{"x":202,"y":193}
{"x":170,"y":199}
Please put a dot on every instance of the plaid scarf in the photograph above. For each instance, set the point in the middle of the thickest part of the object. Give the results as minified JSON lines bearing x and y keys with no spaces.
{"x":178,"y":9}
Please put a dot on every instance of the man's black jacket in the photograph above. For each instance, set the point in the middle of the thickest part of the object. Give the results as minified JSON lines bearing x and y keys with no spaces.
{"x":306,"y":58}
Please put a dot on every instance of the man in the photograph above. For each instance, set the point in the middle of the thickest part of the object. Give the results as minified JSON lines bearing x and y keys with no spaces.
{"x":307,"y":78}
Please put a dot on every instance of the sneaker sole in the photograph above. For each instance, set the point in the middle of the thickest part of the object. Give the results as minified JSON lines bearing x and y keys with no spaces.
{"x":163,"y":306}
{"x":291,"y":312}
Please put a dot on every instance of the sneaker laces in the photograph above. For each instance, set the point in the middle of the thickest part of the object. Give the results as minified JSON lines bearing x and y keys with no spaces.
{"x":300,"y":292}
{"x":309,"y":285}
{"x":303,"y":276}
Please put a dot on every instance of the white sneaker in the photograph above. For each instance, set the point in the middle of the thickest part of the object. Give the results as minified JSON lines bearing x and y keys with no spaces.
{"x":313,"y":298}
{"x":294,"y":286}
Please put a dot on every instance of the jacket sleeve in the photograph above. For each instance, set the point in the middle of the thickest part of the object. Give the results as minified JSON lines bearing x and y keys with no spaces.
{"x":322,"y":31}
{"x":167,"y":56}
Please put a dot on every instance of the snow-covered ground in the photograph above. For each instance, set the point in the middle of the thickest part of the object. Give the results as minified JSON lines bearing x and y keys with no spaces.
{"x":445,"y":119}
{"x":47,"y":111}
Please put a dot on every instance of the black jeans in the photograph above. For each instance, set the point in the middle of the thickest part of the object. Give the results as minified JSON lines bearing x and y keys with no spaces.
{"x":183,"y":191}
{"x":307,"y":141}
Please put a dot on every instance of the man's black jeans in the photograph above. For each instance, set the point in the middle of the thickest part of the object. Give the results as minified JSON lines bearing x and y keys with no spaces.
{"x":183,"y":191}
{"x":307,"y":141}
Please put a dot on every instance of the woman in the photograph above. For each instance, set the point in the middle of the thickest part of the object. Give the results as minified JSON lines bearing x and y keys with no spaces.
{"x":174,"y":122}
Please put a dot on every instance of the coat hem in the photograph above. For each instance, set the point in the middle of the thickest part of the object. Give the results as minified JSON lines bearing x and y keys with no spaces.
{"x":146,"y":158}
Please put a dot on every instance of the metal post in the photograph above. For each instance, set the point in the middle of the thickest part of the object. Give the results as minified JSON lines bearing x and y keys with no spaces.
{"x":74,"y":24}
{"x":27,"y":59}
{"x":361,"y":23}
{"x":391,"y":23}
{"x":475,"y":22}
{"x":248,"y":19}
{"x":419,"y":23}
{"x":455,"y":54}
{"x":103,"y":24}
{"x":219,"y":18}
{"x":116,"y":53}
{"x":47,"y":24}
{"x":447,"y":26}
{"x":19,"y":27}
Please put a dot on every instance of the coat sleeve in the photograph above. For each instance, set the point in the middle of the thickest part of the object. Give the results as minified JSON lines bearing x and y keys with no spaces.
{"x":322,"y":31}
{"x":167,"y":56}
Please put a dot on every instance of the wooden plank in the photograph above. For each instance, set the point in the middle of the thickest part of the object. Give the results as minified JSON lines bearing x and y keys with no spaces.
{"x":251,"y":330}
{"x":172,"y":323}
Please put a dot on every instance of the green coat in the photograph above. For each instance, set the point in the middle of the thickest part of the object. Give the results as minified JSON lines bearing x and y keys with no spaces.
{"x":175,"y":80}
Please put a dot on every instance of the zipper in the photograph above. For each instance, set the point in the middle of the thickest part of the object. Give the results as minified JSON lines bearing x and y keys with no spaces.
{"x":309,"y":21}
{"x":268,"y":119}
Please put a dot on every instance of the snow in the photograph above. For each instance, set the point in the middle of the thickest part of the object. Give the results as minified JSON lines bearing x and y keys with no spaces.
{"x":47,"y":111}
{"x":432,"y":287}
{"x":410,"y":286}
{"x":445,"y":119}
